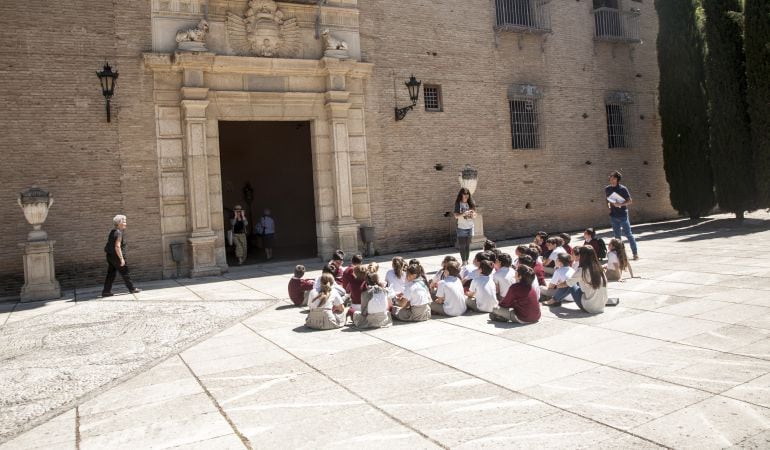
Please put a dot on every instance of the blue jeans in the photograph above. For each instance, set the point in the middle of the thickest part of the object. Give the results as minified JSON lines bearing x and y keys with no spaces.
{"x":622,"y":223}
{"x":577,"y":295}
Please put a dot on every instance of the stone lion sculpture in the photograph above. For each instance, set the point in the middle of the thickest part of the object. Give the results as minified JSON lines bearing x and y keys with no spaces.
{"x":197,"y":34}
{"x":333,"y":43}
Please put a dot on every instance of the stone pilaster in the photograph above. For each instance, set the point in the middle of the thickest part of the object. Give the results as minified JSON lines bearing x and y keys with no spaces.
{"x":39,"y":273}
{"x":202,"y":238}
{"x":344,"y":226}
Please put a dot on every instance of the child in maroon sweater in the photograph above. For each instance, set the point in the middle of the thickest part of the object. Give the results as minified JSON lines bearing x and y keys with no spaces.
{"x":520,"y":303}
{"x":347,"y":275}
{"x":299,"y":287}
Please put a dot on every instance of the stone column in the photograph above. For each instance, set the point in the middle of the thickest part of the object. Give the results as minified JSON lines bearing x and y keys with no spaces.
{"x":39,"y":274}
{"x":202,"y":238}
{"x":344,"y":225}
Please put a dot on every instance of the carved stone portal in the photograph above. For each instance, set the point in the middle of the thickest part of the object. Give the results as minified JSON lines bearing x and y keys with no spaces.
{"x":333,"y":46}
{"x":263,"y":31}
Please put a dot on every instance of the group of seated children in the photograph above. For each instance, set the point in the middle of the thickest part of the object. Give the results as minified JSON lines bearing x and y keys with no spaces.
{"x":508,"y":288}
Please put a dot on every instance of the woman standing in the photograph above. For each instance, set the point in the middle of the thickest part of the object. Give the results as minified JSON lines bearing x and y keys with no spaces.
{"x":465,"y":211}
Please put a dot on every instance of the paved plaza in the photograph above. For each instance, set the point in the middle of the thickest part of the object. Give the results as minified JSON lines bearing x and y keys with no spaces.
{"x":224,"y":362}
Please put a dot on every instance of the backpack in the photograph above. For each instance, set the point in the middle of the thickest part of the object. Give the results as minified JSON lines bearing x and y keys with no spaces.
{"x":602,"y":253}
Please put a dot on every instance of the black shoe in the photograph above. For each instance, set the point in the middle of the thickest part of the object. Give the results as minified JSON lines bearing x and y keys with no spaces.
{"x":496,"y":318}
{"x":134,"y":291}
{"x":107,"y":294}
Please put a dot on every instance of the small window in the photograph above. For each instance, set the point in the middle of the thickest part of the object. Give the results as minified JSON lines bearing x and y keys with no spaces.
{"x":618,"y":108}
{"x":432,"y":95}
{"x":524,"y":105}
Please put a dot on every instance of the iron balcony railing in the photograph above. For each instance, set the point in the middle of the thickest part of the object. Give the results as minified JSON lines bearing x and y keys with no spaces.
{"x":616,"y":26}
{"x":523,"y":16}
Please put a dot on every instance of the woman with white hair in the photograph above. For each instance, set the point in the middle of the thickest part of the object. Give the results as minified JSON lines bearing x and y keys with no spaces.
{"x":116,"y":257}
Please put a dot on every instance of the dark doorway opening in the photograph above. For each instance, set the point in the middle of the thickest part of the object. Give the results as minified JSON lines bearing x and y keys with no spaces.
{"x":275,"y":160}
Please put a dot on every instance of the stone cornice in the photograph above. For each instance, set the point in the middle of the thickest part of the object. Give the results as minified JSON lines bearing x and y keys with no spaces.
{"x":208,"y":62}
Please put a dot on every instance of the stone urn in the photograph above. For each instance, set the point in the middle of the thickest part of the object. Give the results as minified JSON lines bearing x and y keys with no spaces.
{"x":35,"y":203}
{"x":469,"y":178}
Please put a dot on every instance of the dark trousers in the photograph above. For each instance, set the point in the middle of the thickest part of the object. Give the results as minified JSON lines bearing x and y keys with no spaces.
{"x":113,"y":265}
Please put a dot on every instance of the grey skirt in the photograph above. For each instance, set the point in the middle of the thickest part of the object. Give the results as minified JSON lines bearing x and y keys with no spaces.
{"x":414,"y":313}
{"x":376,"y":320}
{"x":323,"y":319}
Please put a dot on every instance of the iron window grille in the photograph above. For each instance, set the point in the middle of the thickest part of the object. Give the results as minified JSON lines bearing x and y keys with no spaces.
{"x":618,"y":107}
{"x":615,"y":25}
{"x":524,"y":103}
{"x":431,"y":94}
{"x":531,"y":16}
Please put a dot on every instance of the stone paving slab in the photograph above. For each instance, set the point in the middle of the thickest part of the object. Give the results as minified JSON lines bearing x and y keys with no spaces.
{"x":683,"y":362}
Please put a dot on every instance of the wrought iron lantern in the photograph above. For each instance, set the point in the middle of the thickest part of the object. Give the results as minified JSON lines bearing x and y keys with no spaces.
{"x":107,"y":78}
{"x":414,"y":94}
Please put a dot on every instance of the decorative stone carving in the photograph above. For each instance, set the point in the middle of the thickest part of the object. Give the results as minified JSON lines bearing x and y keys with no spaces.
{"x":193,"y":39}
{"x":333,"y":46}
{"x":35,"y":203}
{"x":264,"y":31}
{"x":469,"y":178}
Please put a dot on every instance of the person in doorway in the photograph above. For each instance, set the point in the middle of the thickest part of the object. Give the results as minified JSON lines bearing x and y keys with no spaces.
{"x":266,"y":228}
{"x":116,"y":257}
{"x":618,"y":200}
{"x":240,"y":224}
{"x":465,"y":211}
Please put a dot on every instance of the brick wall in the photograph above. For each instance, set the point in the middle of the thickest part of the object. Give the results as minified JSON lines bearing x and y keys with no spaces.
{"x":55,"y":134}
{"x":453,"y":44}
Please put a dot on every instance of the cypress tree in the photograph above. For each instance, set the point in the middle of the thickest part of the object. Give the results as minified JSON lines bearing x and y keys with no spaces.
{"x":729,"y":135}
{"x":683,"y":108}
{"x":757,"y":47}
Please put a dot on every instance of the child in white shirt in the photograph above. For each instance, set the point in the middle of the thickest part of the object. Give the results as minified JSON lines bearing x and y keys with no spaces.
{"x":617,"y":261}
{"x":326,"y":309}
{"x":395,"y":279}
{"x":450,"y":298}
{"x":555,"y":245}
{"x":482,"y":296}
{"x":504,"y":276}
{"x":562,"y":273}
{"x":414,"y":304}
{"x":375,"y":305}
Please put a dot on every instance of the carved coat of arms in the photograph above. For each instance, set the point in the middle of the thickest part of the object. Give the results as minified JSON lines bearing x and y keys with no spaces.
{"x":263,"y":31}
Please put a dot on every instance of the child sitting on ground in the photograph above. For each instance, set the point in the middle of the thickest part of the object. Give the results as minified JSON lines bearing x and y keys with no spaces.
{"x":537,"y":265}
{"x":562,"y":273}
{"x":440,"y":275}
{"x":358,"y":286}
{"x":617,"y":261}
{"x":520,"y":304}
{"x":597,"y":243}
{"x":504,"y":276}
{"x":326,"y":309}
{"x":450,"y":298}
{"x":482,"y":295}
{"x":540,"y":238}
{"x":337,"y":259}
{"x":588,"y":285}
{"x":555,"y":246}
{"x":375,"y":305}
{"x":414,"y":304}
{"x":526,"y":260}
{"x":565,"y":245}
{"x":299,"y":287}
{"x":489,"y":245}
{"x":347,"y":274}
{"x":395,"y":279}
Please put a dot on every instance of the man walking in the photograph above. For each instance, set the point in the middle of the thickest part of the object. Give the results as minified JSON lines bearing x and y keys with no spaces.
{"x":618,"y":200}
{"x":116,"y":257}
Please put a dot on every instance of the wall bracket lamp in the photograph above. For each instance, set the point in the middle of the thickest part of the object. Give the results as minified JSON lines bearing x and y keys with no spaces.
{"x":414,"y":94}
{"x":107,"y":78}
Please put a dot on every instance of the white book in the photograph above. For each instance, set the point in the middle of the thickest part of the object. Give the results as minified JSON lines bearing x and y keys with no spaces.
{"x":615,"y":198}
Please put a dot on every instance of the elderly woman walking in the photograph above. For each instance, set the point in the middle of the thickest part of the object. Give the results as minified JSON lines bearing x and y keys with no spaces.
{"x":116,"y":257}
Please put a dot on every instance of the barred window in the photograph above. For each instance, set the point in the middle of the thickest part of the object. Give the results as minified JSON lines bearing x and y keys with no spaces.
{"x":432,"y":96}
{"x":522,"y":15}
{"x":618,"y":108}
{"x":524,"y":105}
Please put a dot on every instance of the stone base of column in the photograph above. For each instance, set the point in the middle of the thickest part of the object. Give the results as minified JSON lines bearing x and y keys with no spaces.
{"x":39,"y":272}
{"x":478,"y":239}
{"x":346,"y":232}
{"x":204,"y":259}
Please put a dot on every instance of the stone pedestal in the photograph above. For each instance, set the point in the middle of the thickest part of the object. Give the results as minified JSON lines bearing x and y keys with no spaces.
{"x":478,"y":239}
{"x":204,"y":256}
{"x":346,"y":232}
{"x":39,"y":274}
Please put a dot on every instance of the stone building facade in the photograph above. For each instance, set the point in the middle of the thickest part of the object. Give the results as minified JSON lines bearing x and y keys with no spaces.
{"x":543,"y":98}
